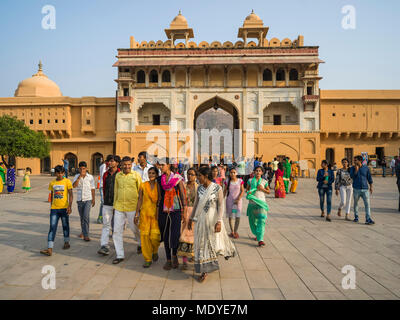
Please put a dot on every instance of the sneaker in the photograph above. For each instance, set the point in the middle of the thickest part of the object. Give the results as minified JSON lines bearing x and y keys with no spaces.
{"x":104,"y":251}
{"x":261,"y":243}
{"x":355,"y":220}
{"x":66,"y":245}
{"x":369,"y":222}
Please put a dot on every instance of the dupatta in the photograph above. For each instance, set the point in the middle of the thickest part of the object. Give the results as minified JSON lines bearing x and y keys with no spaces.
{"x":250,"y":194}
{"x":169,"y":188}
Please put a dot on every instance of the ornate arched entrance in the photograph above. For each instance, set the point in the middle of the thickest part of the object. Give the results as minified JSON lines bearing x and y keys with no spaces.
{"x":97,"y":159}
{"x":72,"y":163}
{"x":214,"y":122}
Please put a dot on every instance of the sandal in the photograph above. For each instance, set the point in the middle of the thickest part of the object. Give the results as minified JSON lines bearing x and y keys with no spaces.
{"x":261,"y":243}
{"x":347,"y":218}
{"x":202,"y":277}
{"x":47,"y":252}
{"x":147,"y":264}
{"x":168,"y":265}
{"x":155,"y":257}
{"x":236,"y":235}
{"x":232,"y":235}
{"x":328,"y":218}
{"x":175,"y":262}
{"x":339,"y":213}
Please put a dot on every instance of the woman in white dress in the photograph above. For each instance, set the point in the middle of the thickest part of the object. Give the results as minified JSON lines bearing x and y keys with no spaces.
{"x":210,"y":237}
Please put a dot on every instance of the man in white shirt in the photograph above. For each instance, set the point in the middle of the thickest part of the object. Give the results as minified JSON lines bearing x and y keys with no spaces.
{"x":143,"y":167}
{"x":103,"y":168}
{"x":393,"y":166}
{"x":84,"y":183}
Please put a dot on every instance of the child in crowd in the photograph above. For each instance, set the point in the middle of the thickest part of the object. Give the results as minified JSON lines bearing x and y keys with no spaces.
{"x":234,"y":190}
{"x":26,"y":183}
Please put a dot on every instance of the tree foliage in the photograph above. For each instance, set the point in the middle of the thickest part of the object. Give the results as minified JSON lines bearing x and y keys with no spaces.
{"x":18,"y":140}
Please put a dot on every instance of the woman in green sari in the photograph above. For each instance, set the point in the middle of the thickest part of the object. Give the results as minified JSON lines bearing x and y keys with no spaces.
{"x":257,"y":208}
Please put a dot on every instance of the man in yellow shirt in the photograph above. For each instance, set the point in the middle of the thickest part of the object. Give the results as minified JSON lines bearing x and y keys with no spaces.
{"x":61,"y":207}
{"x":126,"y":192}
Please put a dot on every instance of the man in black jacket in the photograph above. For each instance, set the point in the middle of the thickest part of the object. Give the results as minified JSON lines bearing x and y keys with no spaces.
{"x":108,"y":198}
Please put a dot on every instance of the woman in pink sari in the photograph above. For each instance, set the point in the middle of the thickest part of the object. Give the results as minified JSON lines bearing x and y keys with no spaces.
{"x":279,"y":184}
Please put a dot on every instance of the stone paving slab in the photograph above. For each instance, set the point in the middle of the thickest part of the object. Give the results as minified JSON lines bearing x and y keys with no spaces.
{"x":303,"y":257}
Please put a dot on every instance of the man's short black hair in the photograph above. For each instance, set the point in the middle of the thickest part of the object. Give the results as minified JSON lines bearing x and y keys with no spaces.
{"x":143,"y":153}
{"x":109,"y":157}
{"x":59,"y":169}
{"x":126,"y":158}
{"x":83,"y":164}
{"x":359,"y":158}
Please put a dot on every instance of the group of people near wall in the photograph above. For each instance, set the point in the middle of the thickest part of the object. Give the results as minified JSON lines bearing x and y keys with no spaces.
{"x":159,"y":202}
{"x":351,"y":183}
{"x":8,"y":178}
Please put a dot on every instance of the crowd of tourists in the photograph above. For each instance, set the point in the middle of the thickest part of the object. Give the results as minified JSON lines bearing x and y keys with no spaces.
{"x":8,"y":178}
{"x":163,"y":200}
{"x":350,"y":183}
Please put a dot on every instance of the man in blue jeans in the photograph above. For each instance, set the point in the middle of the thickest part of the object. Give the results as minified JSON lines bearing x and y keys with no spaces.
{"x":362,"y":187}
{"x":61,"y":208}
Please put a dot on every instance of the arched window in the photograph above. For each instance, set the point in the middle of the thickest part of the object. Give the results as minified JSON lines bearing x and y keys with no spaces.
{"x":166,"y":76}
{"x":267,"y":75}
{"x":153,"y":76}
{"x":141,"y":77}
{"x":293,"y":75}
{"x":280,"y":75}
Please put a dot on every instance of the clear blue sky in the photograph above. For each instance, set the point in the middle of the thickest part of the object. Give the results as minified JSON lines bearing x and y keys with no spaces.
{"x":78,"y":55}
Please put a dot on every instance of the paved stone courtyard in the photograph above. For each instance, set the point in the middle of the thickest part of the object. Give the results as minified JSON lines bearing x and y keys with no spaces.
{"x":302,"y":259}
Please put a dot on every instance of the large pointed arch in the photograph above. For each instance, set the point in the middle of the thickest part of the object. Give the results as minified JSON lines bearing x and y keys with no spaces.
{"x":224,"y":123}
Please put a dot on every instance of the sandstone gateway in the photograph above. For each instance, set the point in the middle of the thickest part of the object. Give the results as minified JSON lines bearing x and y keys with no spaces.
{"x":269,"y":87}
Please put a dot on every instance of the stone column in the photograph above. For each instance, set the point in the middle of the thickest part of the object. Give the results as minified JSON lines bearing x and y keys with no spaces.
{"x":206,"y":75}
{"x":147,"y":77}
{"x":273,"y":70}
{"x":259,"y":76}
{"x":186,"y":39}
{"x":225,"y":76}
{"x":159,"y":77}
{"x":187,"y":84}
{"x":173,"y":77}
{"x":244,"y":80}
{"x":244,"y":38}
{"x":287,"y":77}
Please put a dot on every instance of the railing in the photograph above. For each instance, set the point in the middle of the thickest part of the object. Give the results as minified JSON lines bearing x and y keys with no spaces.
{"x":125,"y":75}
{"x":125,"y":99}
